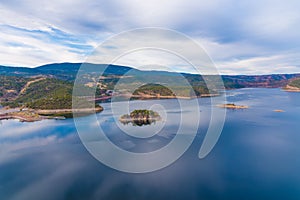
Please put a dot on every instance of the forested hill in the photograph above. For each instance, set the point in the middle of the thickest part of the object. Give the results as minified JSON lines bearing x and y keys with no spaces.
{"x":68,"y":71}
{"x":64,"y":71}
{"x":50,"y":86}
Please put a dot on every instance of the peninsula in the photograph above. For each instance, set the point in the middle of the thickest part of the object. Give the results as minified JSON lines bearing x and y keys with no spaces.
{"x":32,"y":115}
{"x":293,"y":86}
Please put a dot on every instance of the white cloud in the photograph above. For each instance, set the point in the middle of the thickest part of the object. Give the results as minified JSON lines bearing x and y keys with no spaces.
{"x":25,"y":50}
{"x":263,"y":65}
{"x":233,"y":32}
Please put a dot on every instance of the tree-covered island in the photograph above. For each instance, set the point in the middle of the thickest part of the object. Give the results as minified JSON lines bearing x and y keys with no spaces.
{"x":140,"y":117}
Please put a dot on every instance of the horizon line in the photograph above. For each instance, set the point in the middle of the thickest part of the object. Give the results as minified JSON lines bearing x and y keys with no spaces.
{"x":153,"y":70}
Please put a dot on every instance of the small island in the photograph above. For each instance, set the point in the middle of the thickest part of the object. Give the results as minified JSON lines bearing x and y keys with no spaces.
{"x":278,"y":110}
{"x":233,"y":106}
{"x":140,"y":117}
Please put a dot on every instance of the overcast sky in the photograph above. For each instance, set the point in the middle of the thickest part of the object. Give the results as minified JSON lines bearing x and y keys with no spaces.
{"x":241,"y":37}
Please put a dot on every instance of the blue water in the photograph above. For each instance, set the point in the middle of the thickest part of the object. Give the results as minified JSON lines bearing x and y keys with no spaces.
{"x":256,"y":157}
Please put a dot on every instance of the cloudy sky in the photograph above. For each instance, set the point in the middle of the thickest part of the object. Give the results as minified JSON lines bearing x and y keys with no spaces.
{"x":241,"y":37}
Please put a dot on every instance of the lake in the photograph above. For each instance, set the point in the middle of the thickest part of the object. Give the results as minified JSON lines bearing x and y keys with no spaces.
{"x":256,"y":156}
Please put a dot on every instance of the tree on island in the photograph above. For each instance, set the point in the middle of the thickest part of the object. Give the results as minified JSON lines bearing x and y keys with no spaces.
{"x":140,"y":117}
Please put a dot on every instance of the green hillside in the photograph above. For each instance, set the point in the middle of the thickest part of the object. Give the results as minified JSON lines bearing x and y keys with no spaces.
{"x":50,"y":86}
{"x":154,"y":89}
{"x":185,"y":91}
{"x":113,"y":73}
{"x":10,"y":86}
{"x":295,"y":83}
{"x":45,"y":94}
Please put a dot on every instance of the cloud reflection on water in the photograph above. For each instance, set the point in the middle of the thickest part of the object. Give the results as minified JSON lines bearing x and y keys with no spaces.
{"x":255,"y":158}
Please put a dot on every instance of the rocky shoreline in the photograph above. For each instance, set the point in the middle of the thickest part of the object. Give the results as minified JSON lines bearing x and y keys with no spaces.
{"x":32,"y":115}
{"x":148,"y":96}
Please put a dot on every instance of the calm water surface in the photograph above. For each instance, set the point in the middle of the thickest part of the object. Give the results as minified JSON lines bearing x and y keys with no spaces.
{"x":256,"y":157}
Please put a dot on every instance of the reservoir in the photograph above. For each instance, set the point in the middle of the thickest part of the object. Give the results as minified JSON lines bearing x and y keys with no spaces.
{"x":256,"y":156}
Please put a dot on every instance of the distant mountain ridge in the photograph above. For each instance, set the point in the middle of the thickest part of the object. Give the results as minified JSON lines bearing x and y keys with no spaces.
{"x":65,"y":71}
{"x":68,"y":71}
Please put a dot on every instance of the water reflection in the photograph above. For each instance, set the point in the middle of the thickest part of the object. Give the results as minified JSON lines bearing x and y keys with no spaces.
{"x":138,"y":122}
{"x":255,"y":158}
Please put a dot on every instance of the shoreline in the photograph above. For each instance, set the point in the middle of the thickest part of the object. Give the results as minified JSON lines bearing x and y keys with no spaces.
{"x":148,"y":96}
{"x":33,"y":115}
{"x":289,"y":88}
